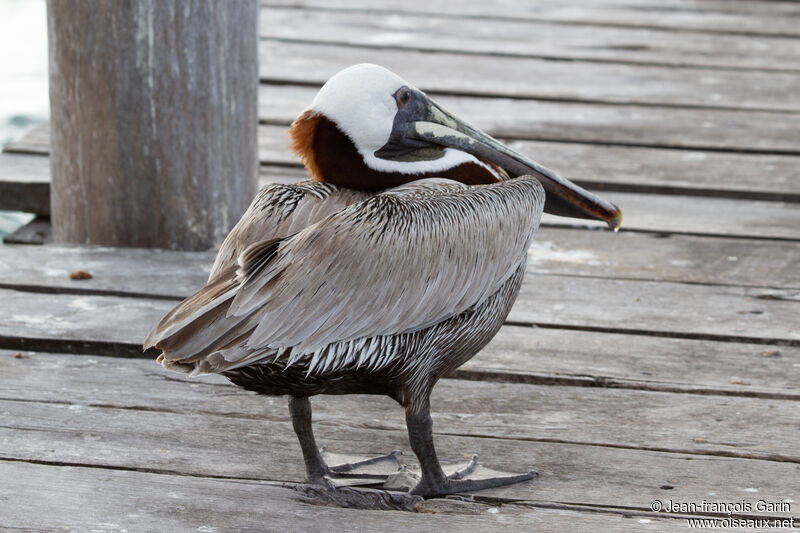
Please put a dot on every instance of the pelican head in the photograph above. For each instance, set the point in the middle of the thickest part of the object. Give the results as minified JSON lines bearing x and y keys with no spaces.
{"x":367,"y":128}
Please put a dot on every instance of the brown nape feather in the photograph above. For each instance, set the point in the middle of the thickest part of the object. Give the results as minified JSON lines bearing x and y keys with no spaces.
{"x":301,"y":141}
{"x":500,"y":170}
{"x":471,"y":174}
{"x":330,"y":156}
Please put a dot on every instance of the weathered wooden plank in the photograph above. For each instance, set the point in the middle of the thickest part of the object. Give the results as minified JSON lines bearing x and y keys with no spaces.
{"x":35,"y":141}
{"x":526,"y":38}
{"x":552,"y":355}
{"x":714,"y":16}
{"x":129,"y":271}
{"x":699,"y":216}
{"x":75,"y":322}
{"x":539,"y":78}
{"x":88,"y":323}
{"x":36,"y":231}
{"x":167,"y":95}
{"x":700,"y":311}
{"x":26,"y":186}
{"x":695,"y":424}
{"x":25,"y":179}
{"x":202,"y":445}
{"x":88,"y":499}
{"x":756,"y":176}
{"x":511,"y":118}
{"x":636,"y":361}
{"x":652,"y":256}
{"x":561,"y":251}
{"x":25,"y":183}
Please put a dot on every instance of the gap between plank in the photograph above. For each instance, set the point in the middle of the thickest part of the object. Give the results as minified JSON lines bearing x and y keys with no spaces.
{"x":714,"y":453}
{"x":45,"y":289}
{"x":654,"y":333}
{"x":662,"y":233}
{"x":588,"y":380}
{"x":77,"y":347}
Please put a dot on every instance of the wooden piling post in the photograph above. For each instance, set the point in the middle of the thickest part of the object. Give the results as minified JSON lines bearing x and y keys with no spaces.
{"x":153,"y":120}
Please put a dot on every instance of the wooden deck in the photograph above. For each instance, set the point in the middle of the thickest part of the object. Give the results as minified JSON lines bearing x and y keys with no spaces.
{"x":661,"y":363}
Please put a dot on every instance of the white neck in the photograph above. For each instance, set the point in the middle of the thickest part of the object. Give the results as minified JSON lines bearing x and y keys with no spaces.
{"x":451,"y":159}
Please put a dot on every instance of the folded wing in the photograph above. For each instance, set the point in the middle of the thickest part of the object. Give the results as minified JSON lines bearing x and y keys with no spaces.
{"x":394,"y":263}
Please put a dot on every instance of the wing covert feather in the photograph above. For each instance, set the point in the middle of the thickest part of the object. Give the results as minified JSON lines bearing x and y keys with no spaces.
{"x":277,"y":211}
{"x":394,"y":263}
{"x":280,"y":210}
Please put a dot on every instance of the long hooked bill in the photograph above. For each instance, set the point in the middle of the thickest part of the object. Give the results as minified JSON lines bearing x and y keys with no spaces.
{"x":426,"y":121}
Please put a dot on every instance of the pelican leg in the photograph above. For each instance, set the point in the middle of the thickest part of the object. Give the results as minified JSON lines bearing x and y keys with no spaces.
{"x":350,"y":472}
{"x":316,"y":469}
{"x":434,"y":482}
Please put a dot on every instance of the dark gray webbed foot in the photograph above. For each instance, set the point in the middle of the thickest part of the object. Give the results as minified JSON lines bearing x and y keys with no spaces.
{"x":350,"y":470}
{"x":458,"y":478}
{"x":434,"y":480}
{"x":454,"y":485}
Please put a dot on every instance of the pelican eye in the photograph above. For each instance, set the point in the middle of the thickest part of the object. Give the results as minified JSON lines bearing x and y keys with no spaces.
{"x":403,"y":96}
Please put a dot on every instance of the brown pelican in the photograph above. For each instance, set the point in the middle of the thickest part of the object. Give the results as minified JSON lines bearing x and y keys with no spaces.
{"x":396,"y":264}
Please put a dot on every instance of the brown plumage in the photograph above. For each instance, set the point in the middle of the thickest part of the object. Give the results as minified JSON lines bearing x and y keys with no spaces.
{"x":357,"y":290}
{"x":394,"y":266}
